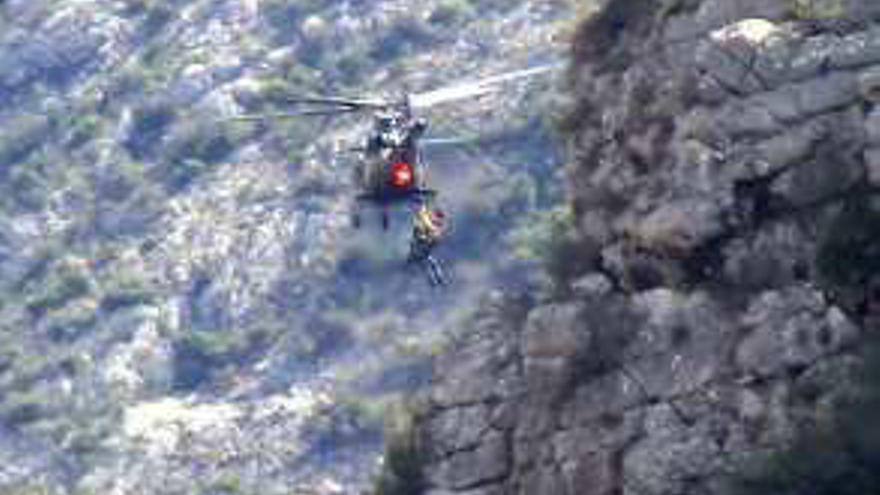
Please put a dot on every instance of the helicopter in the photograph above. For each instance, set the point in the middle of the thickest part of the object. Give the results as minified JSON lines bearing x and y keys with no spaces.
{"x":391,"y":169}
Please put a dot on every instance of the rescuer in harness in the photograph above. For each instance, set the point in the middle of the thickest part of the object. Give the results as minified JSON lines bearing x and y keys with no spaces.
{"x":429,"y":226}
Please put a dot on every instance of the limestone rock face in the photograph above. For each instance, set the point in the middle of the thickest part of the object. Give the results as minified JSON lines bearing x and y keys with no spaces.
{"x":185,"y":306}
{"x":717,"y":148}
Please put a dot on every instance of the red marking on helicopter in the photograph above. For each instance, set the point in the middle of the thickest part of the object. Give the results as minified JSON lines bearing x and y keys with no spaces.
{"x":402,"y":175}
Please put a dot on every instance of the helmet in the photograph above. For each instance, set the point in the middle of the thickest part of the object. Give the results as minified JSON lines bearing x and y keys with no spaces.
{"x":437,"y":219}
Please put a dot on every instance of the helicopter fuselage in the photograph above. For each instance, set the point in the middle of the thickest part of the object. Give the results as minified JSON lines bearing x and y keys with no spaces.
{"x":391,"y":169}
{"x":392,"y":177}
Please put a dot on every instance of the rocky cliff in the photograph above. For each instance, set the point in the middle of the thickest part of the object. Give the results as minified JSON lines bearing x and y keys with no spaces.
{"x":184,"y":307}
{"x":718,"y":277}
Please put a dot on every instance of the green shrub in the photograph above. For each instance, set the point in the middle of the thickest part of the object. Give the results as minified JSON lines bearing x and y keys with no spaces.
{"x":28,"y":188}
{"x":838,"y":457}
{"x":228,"y":484}
{"x":818,"y":9}
{"x":30,"y":489}
{"x":124,"y":82}
{"x":300,"y":76}
{"x":22,"y":408}
{"x":596,"y":37}
{"x":196,"y":146}
{"x":540,"y":234}
{"x":158,"y":15}
{"x":118,"y":184}
{"x":277,"y":90}
{"x":81,"y":129}
{"x":132,"y":172}
{"x":20,"y":137}
{"x":155,"y":14}
{"x":285,"y":16}
{"x":348,"y":66}
{"x":548,"y":237}
{"x":126,"y":289}
{"x":451,"y":12}
{"x":850,"y":250}
{"x":404,"y":36}
{"x":149,"y":122}
{"x":367,"y":413}
{"x":60,"y":288}
{"x":72,"y":321}
{"x":487,"y":6}
{"x":21,"y":366}
{"x":38,"y":264}
{"x":134,"y":7}
{"x":209,"y":142}
{"x":402,"y":473}
{"x":10,"y":350}
{"x":199,"y":355}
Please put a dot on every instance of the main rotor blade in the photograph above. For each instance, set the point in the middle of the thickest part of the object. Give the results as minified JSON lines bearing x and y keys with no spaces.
{"x":447,"y":140}
{"x":318,"y":106}
{"x":479,"y":87}
{"x":291,"y":115}
{"x":337,"y":101}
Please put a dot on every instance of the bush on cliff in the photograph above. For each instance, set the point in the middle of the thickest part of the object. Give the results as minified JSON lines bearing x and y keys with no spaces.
{"x":402,"y":473}
{"x":840,"y":457}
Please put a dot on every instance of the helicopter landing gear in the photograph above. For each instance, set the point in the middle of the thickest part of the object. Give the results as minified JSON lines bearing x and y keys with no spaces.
{"x":356,"y":210}
{"x":385,"y":220}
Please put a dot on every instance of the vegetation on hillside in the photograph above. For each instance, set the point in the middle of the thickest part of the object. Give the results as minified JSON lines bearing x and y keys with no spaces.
{"x":115,"y":164}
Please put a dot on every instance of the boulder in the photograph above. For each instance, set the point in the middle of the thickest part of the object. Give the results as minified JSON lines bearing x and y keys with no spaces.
{"x":872,"y":163}
{"x":791,"y":330}
{"x":489,"y":461}
{"x":869,"y":85}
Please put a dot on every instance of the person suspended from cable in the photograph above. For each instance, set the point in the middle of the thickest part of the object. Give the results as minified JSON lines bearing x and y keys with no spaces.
{"x":429,"y":227}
